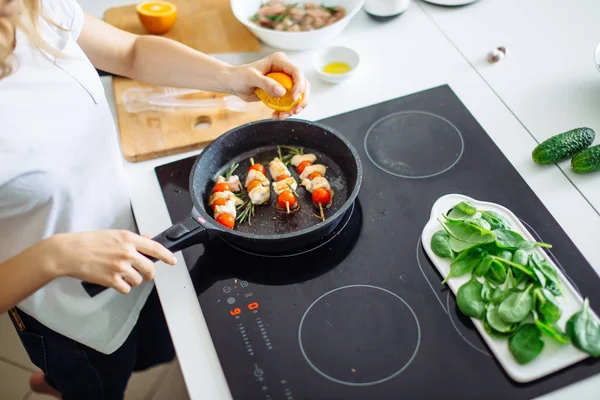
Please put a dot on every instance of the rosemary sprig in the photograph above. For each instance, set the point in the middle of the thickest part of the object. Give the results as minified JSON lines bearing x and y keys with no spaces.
{"x":231,"y":170}
{"x":247,"y":213}
{"x":242,"y":196}
{"x":292,"y":189}
{"x":291,"y":152}
{"x":292,"y":149}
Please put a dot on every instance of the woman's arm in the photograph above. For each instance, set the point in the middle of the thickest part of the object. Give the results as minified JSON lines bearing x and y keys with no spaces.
{"x":111,"y":258}
{"x":24,"y":274}
{"x":165,"y":62}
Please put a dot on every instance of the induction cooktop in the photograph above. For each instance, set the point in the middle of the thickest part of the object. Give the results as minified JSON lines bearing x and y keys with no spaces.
{"x":363,"y":314}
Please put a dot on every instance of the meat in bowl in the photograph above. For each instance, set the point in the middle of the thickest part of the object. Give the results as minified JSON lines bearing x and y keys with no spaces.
{"x":279,"y":16}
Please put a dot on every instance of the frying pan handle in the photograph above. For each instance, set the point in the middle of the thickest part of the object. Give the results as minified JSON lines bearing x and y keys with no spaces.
{"x":182,"y":235}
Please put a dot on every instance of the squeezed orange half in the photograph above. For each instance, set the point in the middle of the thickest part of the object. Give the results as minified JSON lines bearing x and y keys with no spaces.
{"x":157,"y":16}
{"x":285,"y":103}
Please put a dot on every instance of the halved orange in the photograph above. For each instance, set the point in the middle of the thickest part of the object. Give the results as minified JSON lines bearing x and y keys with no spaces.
{"x":285,"y":103}
{"x":157,"y":16}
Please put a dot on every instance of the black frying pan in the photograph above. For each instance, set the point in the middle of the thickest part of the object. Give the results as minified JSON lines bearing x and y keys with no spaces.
{"x":269,"y":231}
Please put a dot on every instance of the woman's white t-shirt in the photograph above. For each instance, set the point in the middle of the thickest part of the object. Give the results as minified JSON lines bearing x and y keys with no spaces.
{"x":61,"y":171}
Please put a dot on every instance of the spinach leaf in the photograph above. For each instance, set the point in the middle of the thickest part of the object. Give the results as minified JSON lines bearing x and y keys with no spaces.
{"x":539,"y":277}
{"x":520,"y":257}
{"x":486,"y":291}
{"x":508,"y":239}
{"x":516,"y":306}
{"x":468,"y":299}
{"x":555,"y":290}
{"x":511,"y":278}
{"x":493,"y":318}
{"x":507,"y":255}
{"x":526,"y":343}
{"x":520,"y":277}
{"x":479,"y":222}
{"x":492,"y":248}
{"x":462,"y":210}
{"x":494,"y":333}
{"x":552,"y":331}
{"x":497,"y":273}
{"x":500,"y":294}
{"x":495,"y":220}
{"x":467,"y":233}
{"x":464,"y":263}
{"x":459,"y":246}
{"x":528,"y":271}
{"x":547,"y":306}
{"x":526,"y":245}
{"x":542,"y":265}
{"x":484,"y":266}
{"x":440,"y":244}
{"x":584,"y":330}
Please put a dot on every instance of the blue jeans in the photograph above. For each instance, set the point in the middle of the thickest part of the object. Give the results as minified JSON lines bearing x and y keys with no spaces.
{"x":79,"y":372}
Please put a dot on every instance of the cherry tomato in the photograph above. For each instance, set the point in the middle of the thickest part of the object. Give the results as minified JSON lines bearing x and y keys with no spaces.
{"x":314,"y":175}
{"x":303,"y":165}
{"x":282,"y":177}
{"x":226,"y":220}
{"x":321,"y":196}
{"x":258,"y":167}
{"x":221,"y":187}
{"x":253,"y":184}
{"x":218,"y":202}
{"x":286,"y":197}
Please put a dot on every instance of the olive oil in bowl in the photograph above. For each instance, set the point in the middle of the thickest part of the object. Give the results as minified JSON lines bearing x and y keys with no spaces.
{"x":336,"y":68}
{"x":335,"y":64}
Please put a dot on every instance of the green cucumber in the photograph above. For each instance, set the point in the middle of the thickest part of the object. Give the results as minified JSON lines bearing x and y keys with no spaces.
{"x":587,"y":160}
{"x":562,"y":146}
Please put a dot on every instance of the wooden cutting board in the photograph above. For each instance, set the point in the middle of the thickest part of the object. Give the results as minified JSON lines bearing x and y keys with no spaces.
{"x":205,"y":25}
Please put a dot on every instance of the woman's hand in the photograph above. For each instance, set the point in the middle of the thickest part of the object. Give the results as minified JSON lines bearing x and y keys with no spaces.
{"x":111,"y":258}
{"x":246,"y":78}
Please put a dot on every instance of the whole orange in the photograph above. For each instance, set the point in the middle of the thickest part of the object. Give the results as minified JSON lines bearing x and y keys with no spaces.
{"x":285,"y":103}
{"x":157,"y":16}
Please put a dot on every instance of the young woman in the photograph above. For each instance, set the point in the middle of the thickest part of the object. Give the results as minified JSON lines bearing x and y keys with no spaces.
{"x":64,"y":211}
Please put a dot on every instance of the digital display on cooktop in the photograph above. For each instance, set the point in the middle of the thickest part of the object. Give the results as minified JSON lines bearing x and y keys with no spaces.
{"x":363,"y":313}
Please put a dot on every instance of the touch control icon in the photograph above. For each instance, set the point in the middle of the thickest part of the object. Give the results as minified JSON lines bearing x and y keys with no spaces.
{"x":258,"y":372}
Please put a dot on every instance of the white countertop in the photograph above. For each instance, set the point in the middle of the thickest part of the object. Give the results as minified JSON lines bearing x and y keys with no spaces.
{"x":519,"y":101}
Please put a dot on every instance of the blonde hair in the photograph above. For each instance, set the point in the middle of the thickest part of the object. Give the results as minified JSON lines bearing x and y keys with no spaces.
{"x":27,"y":21}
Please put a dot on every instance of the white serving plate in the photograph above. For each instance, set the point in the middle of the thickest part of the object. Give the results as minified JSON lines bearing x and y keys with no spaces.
{"x":555,"y":356}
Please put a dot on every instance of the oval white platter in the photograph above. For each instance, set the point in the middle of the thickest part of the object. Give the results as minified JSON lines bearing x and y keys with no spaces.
{"x":555,"y":356}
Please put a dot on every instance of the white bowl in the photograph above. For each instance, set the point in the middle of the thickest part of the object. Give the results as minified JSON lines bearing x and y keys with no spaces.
{"x":243,"y":10}
{"x":335,"y":54}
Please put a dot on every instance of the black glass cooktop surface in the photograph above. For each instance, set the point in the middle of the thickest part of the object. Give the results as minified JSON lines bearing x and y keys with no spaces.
{"x":363,"y":314}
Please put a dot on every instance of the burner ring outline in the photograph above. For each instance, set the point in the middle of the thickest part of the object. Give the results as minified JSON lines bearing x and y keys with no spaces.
{"x":363,"y":384}
{"x":408,"y":112}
